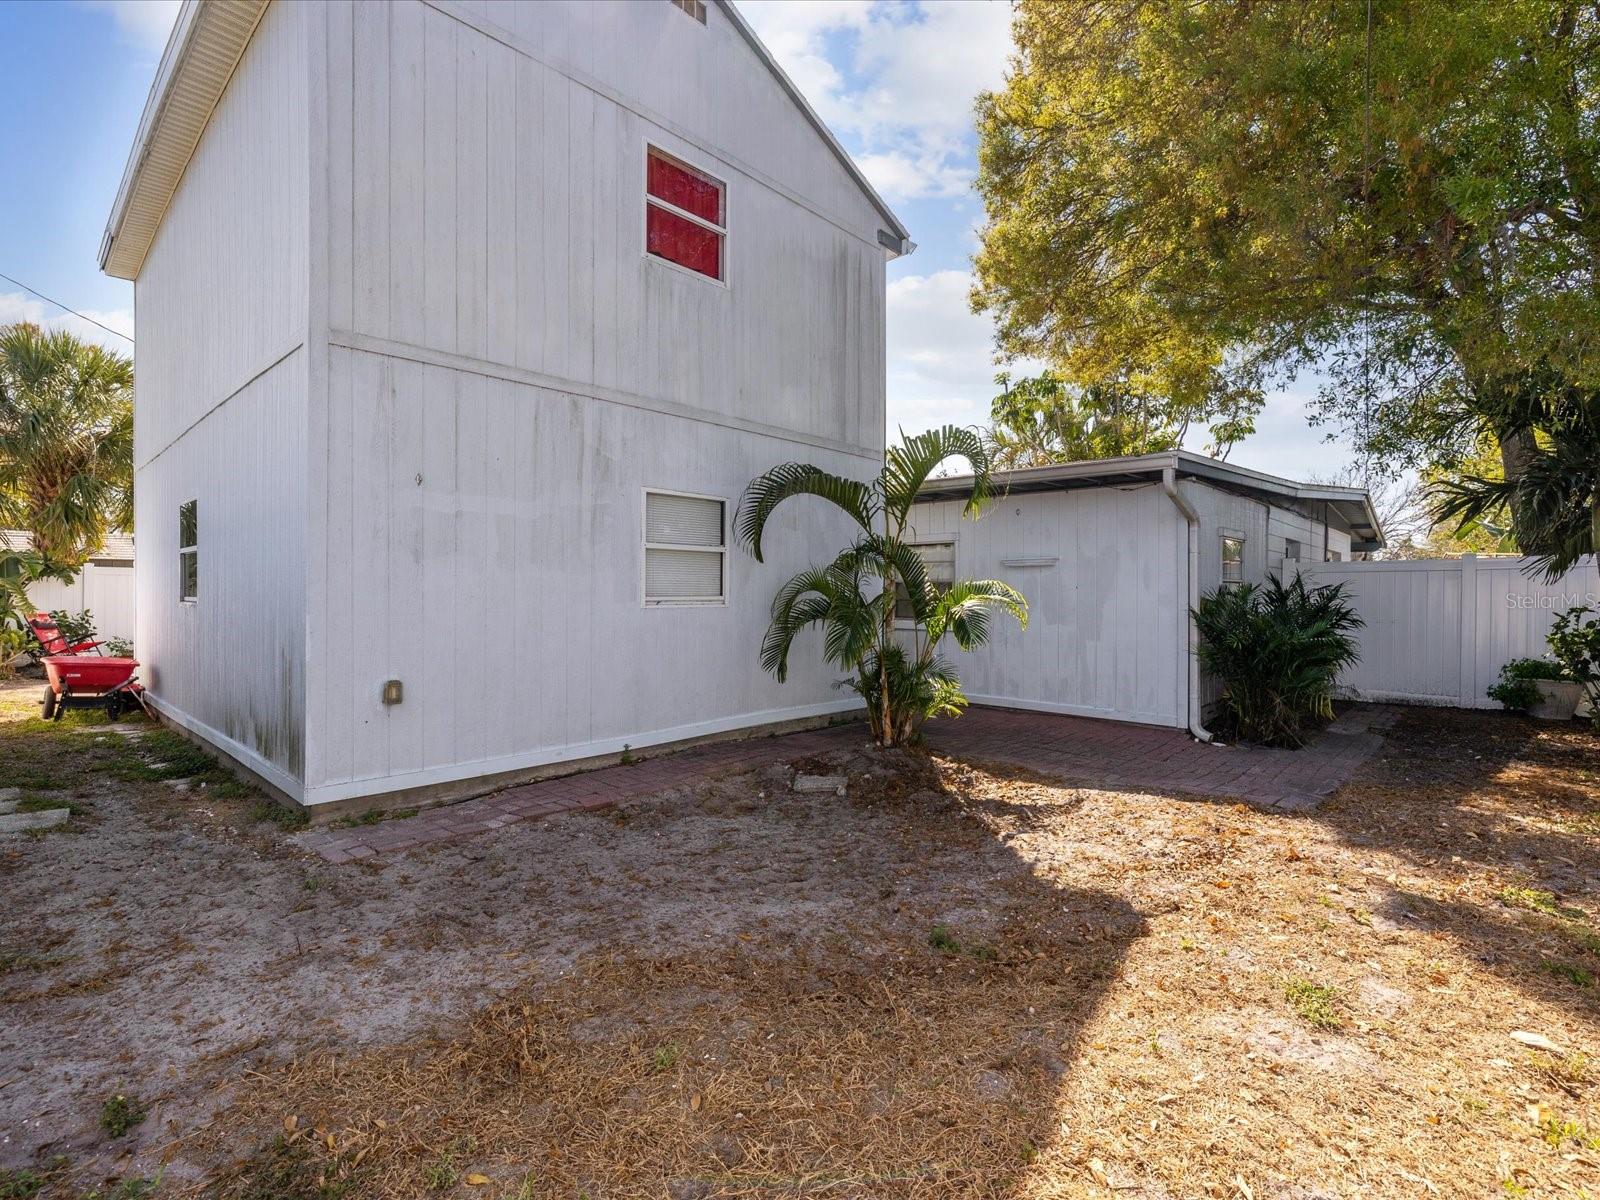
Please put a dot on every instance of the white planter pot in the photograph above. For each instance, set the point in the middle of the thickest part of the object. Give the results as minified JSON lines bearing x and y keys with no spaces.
{"x":1558,"y":699}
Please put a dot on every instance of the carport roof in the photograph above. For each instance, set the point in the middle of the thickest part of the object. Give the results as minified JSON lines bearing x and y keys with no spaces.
{"x":1353,"y":504}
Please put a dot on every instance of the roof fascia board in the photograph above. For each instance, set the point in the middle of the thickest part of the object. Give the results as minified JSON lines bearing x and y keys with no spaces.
{"x":188,"y":31}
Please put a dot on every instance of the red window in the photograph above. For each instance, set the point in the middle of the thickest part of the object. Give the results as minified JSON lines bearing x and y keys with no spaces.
{"x":683,"y":216}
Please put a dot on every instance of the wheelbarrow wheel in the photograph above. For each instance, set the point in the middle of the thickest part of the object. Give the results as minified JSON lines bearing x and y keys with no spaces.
{"x":113,"y":705}
{"x":48,"y":704}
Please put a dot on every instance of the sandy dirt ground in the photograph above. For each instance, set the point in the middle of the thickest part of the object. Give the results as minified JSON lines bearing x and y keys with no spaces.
{"x":952,"y":981}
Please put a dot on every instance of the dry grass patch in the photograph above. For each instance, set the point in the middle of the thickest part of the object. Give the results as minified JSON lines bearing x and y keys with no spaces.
{"x":728,"y":1074}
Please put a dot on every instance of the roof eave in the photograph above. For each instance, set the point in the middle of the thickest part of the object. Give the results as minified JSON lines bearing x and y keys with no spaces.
{"x":213,"y":36}
{"x":1188,"y":465}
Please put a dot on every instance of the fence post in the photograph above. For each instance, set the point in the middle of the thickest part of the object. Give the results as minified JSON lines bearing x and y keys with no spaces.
{"x":1468,"y":582}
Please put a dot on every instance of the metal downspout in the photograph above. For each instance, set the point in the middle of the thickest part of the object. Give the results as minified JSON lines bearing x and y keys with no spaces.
{"x":1169,"y":485}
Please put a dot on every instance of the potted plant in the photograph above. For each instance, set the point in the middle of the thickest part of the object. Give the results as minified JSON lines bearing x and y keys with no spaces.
{"x":1574,"y":640}
{"x":1539,"y":687}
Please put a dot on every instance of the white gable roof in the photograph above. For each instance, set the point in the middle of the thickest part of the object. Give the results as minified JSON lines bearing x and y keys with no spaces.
{"x":207,"y":41}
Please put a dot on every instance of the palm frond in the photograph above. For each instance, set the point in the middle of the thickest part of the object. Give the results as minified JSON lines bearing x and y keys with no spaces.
{"x":772,"y":488}
{"x":963,"y":611}
{"x":910,"y":464}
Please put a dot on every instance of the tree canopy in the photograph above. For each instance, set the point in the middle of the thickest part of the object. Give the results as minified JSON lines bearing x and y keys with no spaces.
{"x":1406,"y":194}
{"x":1044,"y":419}
{"x":66,"y":441}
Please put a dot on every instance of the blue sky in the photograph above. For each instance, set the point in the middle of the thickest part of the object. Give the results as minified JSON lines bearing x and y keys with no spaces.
{"x":895,"y":81}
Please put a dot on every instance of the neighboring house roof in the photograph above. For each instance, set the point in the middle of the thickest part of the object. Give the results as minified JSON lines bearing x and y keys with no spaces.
{"x":118,"y":546}
{"x":1352,"y":504}
{"x":207,"y":41}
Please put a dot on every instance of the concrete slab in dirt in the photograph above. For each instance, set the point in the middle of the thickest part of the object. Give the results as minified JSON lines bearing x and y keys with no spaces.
{"x":820,"y":783}
{"x":7,"y":806}
{"x":22,"y":822}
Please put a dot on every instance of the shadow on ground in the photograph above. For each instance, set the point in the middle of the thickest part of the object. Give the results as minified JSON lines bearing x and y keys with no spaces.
{"x":1505,"y":813}
{"x":731,"y":989}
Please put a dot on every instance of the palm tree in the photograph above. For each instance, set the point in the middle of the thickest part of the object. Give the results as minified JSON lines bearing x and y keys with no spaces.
{"x":66,"y":441}
{"x":853,"y":598}
{"x":1553,"y":498}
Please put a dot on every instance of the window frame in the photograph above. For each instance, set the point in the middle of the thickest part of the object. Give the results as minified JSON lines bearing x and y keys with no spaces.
{"x":189,"y":552}
{"x":646,"y":546}
{"x":1223,"y":538}
{"x":695,"y":9}
{"x":647,"y":201}
{"x":950,"y":540}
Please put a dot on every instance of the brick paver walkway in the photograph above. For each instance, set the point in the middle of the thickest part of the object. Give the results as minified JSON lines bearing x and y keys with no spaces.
{"x":1088,"y":752}
{"x":1080,"y":751}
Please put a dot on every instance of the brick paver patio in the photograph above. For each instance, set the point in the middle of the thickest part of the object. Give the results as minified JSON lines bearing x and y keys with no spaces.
{"x":1114,"y":755}
{"x":1078,"y":751}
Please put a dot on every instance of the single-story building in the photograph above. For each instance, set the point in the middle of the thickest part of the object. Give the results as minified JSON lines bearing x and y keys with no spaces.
{"x":1111,"y":554}
{"x":462,"y":326}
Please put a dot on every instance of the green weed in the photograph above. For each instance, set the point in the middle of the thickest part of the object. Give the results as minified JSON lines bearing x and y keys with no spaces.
{"x":1568,"y":971}
{"x":942,"y":940}
{"x":1535,"y":900}
{"x":1314,"y":1003}
{"x":281,"y":815}
{"x":121,"y":1113}
{"x":666,"y":1057}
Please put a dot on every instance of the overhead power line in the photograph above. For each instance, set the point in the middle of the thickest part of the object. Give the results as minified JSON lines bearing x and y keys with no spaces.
{"x":65,"y":308}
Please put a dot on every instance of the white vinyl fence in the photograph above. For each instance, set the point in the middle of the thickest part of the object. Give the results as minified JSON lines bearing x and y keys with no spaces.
{"x":107,"y":592}
{"x":1438,"y":630}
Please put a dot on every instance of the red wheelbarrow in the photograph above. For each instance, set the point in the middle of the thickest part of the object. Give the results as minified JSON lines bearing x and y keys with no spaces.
{"x":89,"y":681}
{"x":79,"y":679}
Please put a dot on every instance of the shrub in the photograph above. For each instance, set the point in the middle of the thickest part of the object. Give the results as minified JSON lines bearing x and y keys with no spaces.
{"x":1516,"y":686}
{"x":1277,"y":649}
{"x":75,"y":627}
{"x":1574,"y":641}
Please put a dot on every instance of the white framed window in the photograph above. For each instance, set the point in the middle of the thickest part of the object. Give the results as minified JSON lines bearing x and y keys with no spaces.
{"x":188,"y":551}
{"x":685,"y":548}
{"x":695,"y":8}
{"x":1232,"y":560}
{"x":939,"y":560}
{"x":685,"y":216}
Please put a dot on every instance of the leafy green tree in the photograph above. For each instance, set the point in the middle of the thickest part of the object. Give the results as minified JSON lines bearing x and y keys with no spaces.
{"x":1403,"y":193}
{"x":1045,"y":419}
{"x":899,"y":674}
{"x":66,"y":441}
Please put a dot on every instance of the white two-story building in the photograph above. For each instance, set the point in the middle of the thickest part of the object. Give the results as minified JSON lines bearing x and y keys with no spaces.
{"x":461,"y":326}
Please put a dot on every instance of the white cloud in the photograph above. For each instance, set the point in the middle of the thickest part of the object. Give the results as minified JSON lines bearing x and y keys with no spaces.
{"x":146,"y":23}
{"x":941,"y":357}
{"x":913,"y":74}
{"x":18,"y":306}
{"x":909,"y":177}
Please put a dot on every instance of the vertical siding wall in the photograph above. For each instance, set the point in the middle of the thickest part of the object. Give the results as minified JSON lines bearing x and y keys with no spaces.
{"x":220,"y":416}
{"x":507,"y":372}
{"x":1104,"y":598}
{"x":1438,"y":630}
{"x":486,"y":203}
{"x":487,"y":551}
